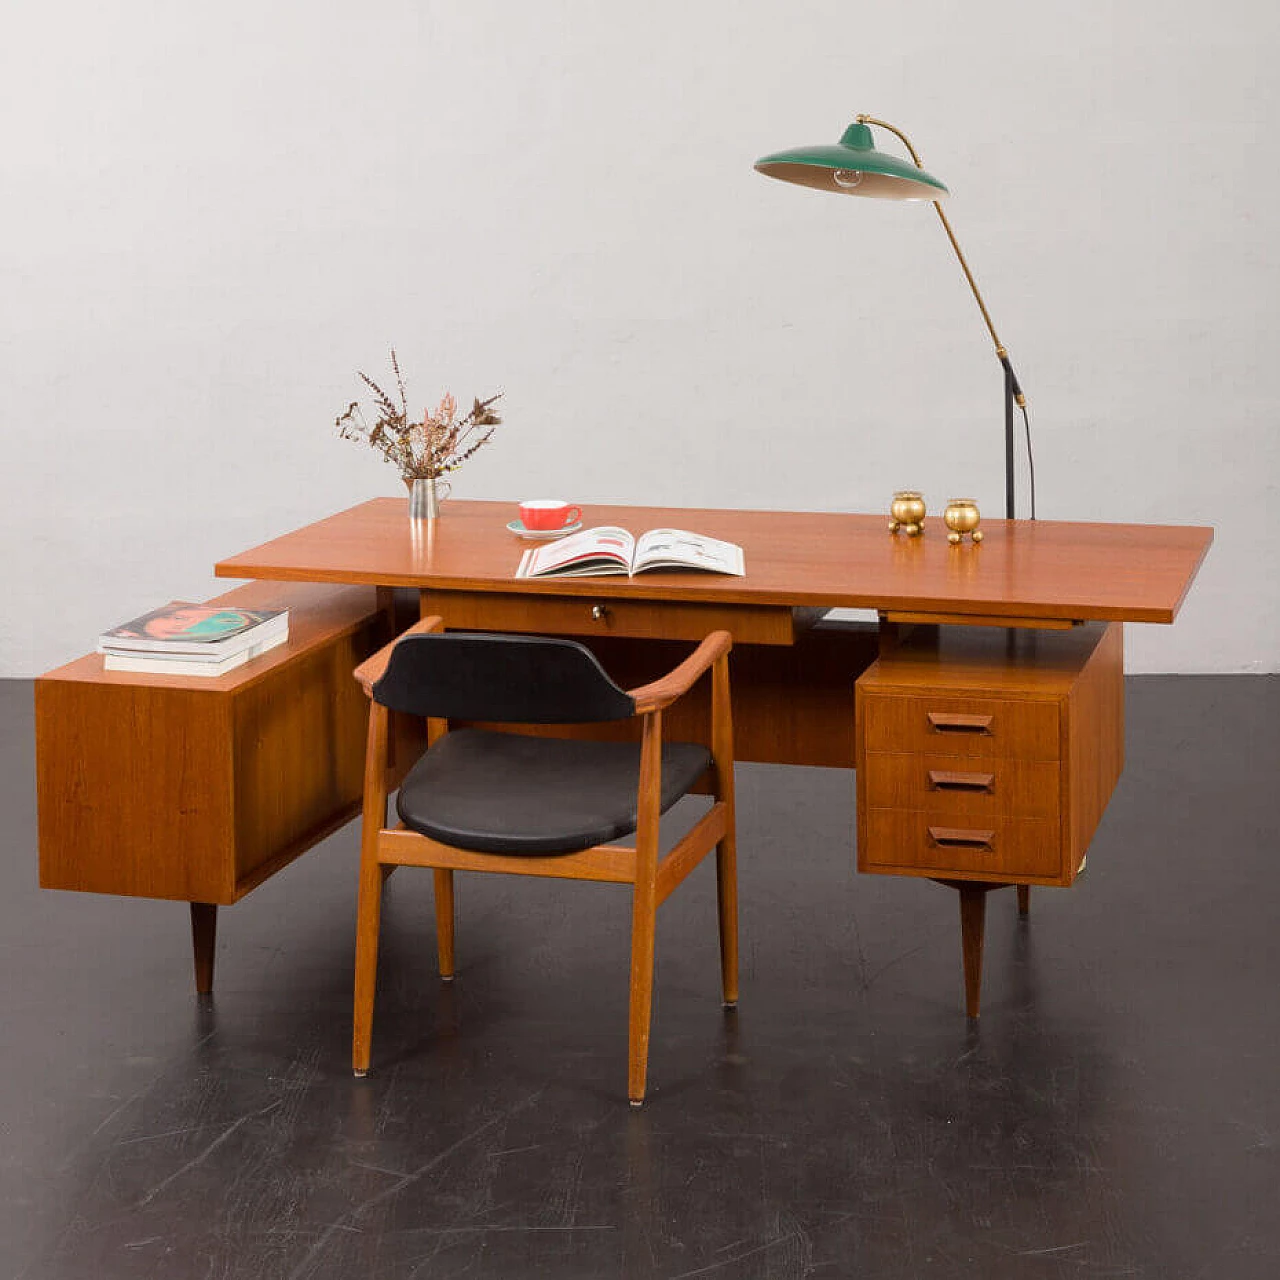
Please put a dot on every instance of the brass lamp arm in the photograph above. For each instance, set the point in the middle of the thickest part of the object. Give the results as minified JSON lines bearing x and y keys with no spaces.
{"x":955,"y":244}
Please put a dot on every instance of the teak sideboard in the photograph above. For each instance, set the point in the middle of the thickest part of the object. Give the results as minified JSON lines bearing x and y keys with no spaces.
{"x":992,"y":636}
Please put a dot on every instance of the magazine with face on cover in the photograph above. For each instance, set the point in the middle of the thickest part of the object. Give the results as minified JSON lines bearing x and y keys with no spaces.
{"x":608,"y":549}
{"x":203,"y":629}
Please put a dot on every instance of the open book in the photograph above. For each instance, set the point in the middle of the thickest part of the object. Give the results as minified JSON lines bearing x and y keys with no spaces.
{"x":607,"y":549}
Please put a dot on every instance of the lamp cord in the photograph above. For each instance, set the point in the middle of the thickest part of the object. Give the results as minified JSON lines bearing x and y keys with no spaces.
{"x":1031,"y":462}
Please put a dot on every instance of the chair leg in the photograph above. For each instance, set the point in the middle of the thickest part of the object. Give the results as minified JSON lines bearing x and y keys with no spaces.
{"x":644,"y":907}
{"x":643,"y":920}
{"x":444,"y":921}
{"x":727,"y":900}
{"x":368,"y":918}
{"x":727,"y":849}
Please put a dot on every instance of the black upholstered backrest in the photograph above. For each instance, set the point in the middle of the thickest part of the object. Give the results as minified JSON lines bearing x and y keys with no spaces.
{"x":514,"y":679}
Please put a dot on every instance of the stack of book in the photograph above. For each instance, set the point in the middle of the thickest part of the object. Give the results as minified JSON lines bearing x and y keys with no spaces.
{"x":193,"y":639}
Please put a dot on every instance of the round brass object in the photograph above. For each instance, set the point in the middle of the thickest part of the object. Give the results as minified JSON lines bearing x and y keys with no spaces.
{"x":906,"y":512}
{"x":962,"y":516}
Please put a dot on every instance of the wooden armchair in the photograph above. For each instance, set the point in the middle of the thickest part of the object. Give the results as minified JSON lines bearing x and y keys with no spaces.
{"x":485,"y":800}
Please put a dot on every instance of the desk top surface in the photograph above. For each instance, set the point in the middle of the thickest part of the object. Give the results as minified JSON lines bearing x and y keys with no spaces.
{"x":1024,"y":569}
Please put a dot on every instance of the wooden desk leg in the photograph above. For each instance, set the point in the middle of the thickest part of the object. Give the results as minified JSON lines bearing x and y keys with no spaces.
{"x":1024,"y":899}
{"x":973,"y":916}
{"x":204,"y":933}
{"x":973,"y":912}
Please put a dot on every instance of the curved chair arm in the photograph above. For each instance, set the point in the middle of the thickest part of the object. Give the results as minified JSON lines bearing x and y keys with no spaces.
{"x":666,"y":689}
{"x":371,"y":670}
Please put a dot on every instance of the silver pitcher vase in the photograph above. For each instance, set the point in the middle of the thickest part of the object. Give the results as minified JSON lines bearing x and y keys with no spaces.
{"x":425,"y":496}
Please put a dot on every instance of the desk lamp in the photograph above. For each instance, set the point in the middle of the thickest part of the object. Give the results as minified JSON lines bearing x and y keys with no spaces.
{"x":853,"y":167}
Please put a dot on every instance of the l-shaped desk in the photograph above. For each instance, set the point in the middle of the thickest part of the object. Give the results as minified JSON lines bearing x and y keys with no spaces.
{"x":988,"y":730}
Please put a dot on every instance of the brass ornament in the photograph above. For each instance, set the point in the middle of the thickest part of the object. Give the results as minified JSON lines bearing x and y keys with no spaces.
{"x":906,"y":512}
{"x":962,"y":516}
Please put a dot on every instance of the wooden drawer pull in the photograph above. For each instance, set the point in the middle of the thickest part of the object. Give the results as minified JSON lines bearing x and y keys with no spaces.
{"x":952,"y":722}
{"x":948,"y":780}
{"x":958,"y":838}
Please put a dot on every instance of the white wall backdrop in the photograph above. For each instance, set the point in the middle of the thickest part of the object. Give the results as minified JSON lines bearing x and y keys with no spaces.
{"x":212,"y":217}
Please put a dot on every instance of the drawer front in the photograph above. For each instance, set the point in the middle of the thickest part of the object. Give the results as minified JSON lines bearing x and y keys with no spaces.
{"x":951,"y":788}
{"x":977,"y":728}
{"x":903,"y":839}
{"x":584,"y":616}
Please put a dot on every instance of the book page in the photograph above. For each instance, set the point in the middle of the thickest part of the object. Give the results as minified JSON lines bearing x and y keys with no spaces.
{"x":604,"y":549}
{"x":680,"y":549}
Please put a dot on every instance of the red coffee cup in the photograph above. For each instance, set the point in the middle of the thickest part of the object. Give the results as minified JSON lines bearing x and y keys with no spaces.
{"x":545,"y":514}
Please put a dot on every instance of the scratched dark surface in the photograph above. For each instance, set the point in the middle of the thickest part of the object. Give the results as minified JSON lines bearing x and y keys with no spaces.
{"x":1117,"y":1112}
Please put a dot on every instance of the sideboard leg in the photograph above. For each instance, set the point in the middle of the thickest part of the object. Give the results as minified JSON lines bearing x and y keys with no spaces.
{"x":973,"y":911}
{"x":1024,"y":899}
{"x":204,"y":933}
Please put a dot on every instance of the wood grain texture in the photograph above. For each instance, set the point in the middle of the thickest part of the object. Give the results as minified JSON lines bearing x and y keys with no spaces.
{"x":792,"y":704}
{"x":613,"y":864}
{"x":906,"y":841}
{"x":134,"y":788}
{"x":644,"y":908}
{"x":604,"y":616}
{"x":369,"y":891}
{"x":973,"y":913}
{"x":901,"y":780}
{"x":971,"y":728}
{"x":689,"y":851}
{"x":722,"y":752}
{"x":194,"y":788}
{"x":662,"y":692}
{"x":1048,"y":735}
{"x":1094,"y":750}
{"x":204,"y":939}
{"x":1026,"y":569}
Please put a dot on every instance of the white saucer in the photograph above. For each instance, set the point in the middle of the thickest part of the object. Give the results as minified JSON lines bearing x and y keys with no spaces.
{"x":542,"y":535}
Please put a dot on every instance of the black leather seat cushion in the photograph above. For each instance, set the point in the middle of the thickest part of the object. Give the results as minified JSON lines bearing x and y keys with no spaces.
{"x":505,"y":793}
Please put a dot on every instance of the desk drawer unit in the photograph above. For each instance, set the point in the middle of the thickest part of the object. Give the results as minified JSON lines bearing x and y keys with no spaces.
{"x":1000,"y":784}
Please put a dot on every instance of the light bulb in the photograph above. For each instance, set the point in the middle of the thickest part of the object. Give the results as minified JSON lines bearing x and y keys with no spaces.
{"x":847,"y":179}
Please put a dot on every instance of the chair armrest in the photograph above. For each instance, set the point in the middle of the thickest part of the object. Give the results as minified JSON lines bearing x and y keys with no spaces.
{"x":371,"y":670}
{"x":679,"y":680}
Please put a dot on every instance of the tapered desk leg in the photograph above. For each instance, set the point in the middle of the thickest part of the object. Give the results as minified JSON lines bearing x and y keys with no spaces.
{"x":973,"y":912}
{"x":973,"y":916}
{"x":204,"y":934}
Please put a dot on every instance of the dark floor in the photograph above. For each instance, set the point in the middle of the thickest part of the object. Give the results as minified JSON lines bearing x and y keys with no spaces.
{"x":1116,"y":1112}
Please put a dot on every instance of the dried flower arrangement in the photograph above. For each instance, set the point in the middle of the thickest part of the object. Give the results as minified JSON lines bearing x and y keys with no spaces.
{"x":424,"y":450}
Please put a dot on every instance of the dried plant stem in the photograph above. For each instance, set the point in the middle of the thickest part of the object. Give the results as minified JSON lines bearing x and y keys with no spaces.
{"x":437,"y":445}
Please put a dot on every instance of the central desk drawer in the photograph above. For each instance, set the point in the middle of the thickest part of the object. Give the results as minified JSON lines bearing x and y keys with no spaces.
{"x":585,"y":616}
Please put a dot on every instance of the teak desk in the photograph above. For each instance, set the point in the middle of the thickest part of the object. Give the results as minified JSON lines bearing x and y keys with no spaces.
{"x":1039,"y":707}
{"x":987,"y":763}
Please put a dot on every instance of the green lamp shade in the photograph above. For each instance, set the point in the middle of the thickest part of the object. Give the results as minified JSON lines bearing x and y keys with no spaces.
{"x":853,"y":167}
